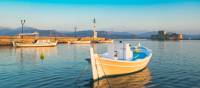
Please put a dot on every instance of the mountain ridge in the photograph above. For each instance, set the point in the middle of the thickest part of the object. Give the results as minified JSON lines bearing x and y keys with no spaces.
{"x":5,"y":31}
{"x":83,"y":33}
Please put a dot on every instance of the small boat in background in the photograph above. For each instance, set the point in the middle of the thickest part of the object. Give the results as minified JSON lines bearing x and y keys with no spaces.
{"x":105,"y":41}
{"x":119,"y":60}
{"x":38,"y":43}
{"x":80,"y":42}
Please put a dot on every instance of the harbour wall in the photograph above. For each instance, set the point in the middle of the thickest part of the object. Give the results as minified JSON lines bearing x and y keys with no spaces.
{"x":7,"y":40}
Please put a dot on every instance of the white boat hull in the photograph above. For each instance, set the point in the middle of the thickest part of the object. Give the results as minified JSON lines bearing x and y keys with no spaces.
{"x":52,"y":44}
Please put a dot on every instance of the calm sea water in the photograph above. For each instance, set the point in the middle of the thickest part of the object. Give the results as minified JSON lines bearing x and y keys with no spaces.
{"x":175,"y":64}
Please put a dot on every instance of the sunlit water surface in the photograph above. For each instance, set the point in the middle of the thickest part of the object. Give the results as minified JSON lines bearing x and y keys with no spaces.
{"x":175,"y":64}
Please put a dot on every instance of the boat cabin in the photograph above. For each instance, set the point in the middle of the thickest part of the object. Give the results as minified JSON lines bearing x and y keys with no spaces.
{"x":34,"y":34}
{"x":123,"y":51}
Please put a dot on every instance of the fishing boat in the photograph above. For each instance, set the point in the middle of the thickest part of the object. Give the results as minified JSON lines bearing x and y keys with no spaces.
{"x":105,"y":41}
{"x":38,"y":43}
{"x":119,"y":59}
{"x":80,"y":42}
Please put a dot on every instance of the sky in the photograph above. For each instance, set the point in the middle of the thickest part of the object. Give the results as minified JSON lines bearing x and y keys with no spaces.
{"x":182,"y":16}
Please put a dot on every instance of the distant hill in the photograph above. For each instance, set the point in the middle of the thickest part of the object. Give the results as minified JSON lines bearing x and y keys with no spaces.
{"x":105,"y":34}
{"x":12,"y":32}
{"x":145,"y":35}
{"x":193,"y":37}
{"x":8,"y":31}
{"x":85,"y":33}
{"x":116,"y":35}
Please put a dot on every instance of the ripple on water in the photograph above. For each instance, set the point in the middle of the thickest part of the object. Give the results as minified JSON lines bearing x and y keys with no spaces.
{"x":171,"y":67}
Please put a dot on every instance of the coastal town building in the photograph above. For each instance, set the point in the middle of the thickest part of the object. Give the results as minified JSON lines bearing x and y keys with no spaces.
{"x":162,"y":35}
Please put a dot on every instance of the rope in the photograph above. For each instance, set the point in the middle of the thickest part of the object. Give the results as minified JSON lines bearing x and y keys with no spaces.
{"x":105,"y":74}
{"x":82,"y":72}
{"x":96,"y":69}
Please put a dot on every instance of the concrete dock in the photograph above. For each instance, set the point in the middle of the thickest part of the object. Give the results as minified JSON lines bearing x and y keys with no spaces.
{"x":7,"y":40}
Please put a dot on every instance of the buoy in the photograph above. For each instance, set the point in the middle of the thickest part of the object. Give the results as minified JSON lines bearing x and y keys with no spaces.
{"x":42,"y":56}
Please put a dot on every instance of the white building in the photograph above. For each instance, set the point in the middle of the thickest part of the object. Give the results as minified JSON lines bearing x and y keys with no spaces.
{"x":94,"y":28}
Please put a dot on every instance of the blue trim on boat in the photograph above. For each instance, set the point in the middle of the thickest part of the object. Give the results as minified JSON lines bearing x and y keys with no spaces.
{"x":143,"y":52}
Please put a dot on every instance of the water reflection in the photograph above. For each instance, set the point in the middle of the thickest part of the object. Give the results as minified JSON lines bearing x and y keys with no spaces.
{"x":180,"y":44}
{"x":136,"y":80}
{"x":31,"y":55}
{"x":162,"y":45}
{"x":61,"y":66}
{"x":34,"y":52}
{"x":165,"y":44}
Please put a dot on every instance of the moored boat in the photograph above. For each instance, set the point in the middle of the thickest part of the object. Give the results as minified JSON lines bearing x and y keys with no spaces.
{"x":80,"y":42}
{"x":38,"y":43}
{"x":105,"y":41}
{"x":120,"y":59}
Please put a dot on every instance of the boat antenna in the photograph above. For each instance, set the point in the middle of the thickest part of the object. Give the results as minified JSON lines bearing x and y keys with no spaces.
{"x":139,"y":44}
